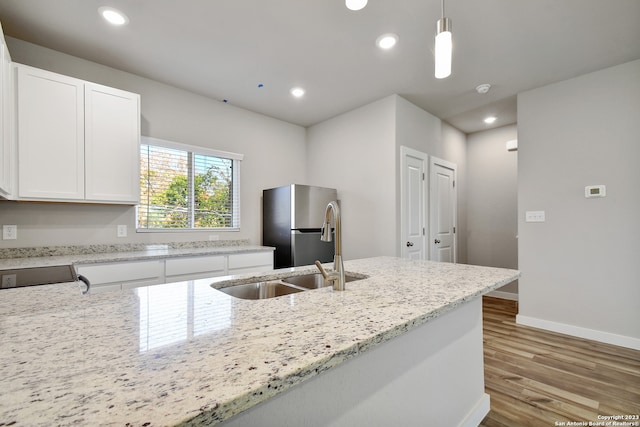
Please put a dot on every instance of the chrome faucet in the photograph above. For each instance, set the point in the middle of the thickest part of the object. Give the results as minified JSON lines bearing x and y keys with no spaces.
{"x":337,"y":275}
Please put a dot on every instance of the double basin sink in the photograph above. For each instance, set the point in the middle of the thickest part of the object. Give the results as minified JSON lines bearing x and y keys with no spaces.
{"x":280,"y":287}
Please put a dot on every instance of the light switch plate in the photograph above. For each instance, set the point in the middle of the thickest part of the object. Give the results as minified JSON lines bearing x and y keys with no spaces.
{"x":9,"y":232}
{"x":534,"y":216}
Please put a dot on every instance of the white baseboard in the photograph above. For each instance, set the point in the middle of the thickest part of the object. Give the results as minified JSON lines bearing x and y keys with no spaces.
{"x":577,"y":331}
{"x":504,"y":295}
{"x":478,"y":413}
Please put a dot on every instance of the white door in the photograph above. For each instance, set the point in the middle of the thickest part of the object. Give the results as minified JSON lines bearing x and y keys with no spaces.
{"x":443,"y":201}
{"x":413,"y":165}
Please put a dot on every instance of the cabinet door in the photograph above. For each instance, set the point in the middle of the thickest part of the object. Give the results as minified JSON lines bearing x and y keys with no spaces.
{"x":50,"y":135}
{"x":6,"y":142}
{"x":112,"y":137}
{"x":250,"y":262}
{"x":192,"y":268}
{"x":123,"y":274}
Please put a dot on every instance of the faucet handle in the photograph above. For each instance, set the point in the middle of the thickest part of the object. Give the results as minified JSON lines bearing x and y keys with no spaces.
{"x":322,"y":270}
{"x":331,"y":277}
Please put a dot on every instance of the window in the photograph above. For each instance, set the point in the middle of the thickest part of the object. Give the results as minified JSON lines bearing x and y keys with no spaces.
{"x":184,"y":187}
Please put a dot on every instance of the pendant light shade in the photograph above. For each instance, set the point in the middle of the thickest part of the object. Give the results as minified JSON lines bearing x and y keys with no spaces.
{"x":443,"y":49}
{"x":355,"y":4}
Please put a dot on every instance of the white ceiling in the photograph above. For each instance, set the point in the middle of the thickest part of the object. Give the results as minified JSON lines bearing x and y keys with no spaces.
{"x":224,"y":48}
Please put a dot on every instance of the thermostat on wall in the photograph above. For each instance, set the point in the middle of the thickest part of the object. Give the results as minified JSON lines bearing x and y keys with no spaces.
{"x":595,"y":191}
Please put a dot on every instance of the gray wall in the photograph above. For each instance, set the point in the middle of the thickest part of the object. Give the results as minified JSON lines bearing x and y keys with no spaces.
{"x":362,"y":147}
{"x":493,"y":200}
{"x":355,"y":153}
{"x":422,"y":131}
{"x":275,"y":154}
{"x":581,"y":268}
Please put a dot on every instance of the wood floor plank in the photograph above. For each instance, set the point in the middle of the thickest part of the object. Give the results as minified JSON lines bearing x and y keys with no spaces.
{"x":537,"y":377}
{"x":549,"y":390}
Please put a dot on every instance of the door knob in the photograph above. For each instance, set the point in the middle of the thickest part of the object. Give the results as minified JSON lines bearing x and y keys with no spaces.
{"x":436,"y":241}
{"x":409,"y":244}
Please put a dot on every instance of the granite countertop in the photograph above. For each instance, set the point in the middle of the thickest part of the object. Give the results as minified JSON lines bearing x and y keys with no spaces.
{"x":64,"y":255}
{"x":185,"y":353}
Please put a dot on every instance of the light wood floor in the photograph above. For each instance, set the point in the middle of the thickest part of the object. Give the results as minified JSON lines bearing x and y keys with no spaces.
{"x":540,"y":378}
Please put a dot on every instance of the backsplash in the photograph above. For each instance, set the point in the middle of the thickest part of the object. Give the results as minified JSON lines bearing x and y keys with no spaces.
{"x":41,"y":251}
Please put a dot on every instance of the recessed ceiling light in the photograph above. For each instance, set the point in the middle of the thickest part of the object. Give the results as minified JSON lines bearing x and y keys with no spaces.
{"x":113,"y":16}
{"x":490,"y":119}
{"x":483,"y":88}
{"x":387,"y":41}
{"x":297,"y":92}
{"x":355,"y":4}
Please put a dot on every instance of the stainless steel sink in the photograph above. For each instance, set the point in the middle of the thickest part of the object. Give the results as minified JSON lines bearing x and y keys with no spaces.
{"x":260,"y":290}
{"x":315,"y":281}
{"x":280,"y":287}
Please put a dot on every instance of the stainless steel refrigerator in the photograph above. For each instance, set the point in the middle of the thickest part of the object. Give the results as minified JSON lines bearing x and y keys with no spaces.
{"x":292,"y":217}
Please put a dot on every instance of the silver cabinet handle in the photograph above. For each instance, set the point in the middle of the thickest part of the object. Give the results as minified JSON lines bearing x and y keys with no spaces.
{"x":436,"y":241}
{"x":409,"y":244}
{"x":86,"y":282}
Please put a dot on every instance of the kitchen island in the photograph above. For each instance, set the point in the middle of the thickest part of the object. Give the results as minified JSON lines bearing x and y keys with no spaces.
{"x":402,"y":345}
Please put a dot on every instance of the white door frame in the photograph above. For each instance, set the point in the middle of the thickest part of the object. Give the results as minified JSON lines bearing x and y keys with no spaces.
{"x":433,"y":204}
{"x":402,"y":241}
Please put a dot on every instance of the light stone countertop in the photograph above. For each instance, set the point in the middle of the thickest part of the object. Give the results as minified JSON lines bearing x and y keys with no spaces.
{"x":33,"y":258}
{"x":187,"y":354}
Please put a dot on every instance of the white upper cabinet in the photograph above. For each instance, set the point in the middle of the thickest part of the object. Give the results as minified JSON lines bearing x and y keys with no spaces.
{"x":7,"y":164}
{"x":112,"y":138}
{"x":50,"y":135}
{"x":77,"y":141}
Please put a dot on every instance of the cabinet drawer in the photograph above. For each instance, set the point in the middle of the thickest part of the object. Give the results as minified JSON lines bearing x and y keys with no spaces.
{"x":99,"y":289}
{"x":253,"y":259}
{"x":122,"y":271}
{"x":254,"y":269}
{"x":195,"y":276}
{"x":140,"y":283}
{"x":193,"y":265}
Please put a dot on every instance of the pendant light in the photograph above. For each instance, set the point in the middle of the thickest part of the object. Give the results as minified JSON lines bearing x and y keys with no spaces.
{"x":355,"y":4}
{"x":443,"y":47}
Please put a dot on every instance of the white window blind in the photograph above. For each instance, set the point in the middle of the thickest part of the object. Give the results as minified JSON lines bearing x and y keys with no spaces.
{"x":184,"y":187}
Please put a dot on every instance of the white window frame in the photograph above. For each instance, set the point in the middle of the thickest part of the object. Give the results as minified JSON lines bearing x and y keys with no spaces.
{"x":235,"y":157}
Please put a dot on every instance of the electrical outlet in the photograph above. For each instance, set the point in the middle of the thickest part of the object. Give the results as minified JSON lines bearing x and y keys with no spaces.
{"x":8,"y":281}
{"x":9,"y":232}
{"x":214,"y":237}
{"x":122,"y":231}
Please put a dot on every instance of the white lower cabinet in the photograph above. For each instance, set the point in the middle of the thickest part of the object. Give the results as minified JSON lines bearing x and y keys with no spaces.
{"x":122,"y":275}
{"x":192,"y":268}
{"x":247,"y":263}
{"x":133,"y":274}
